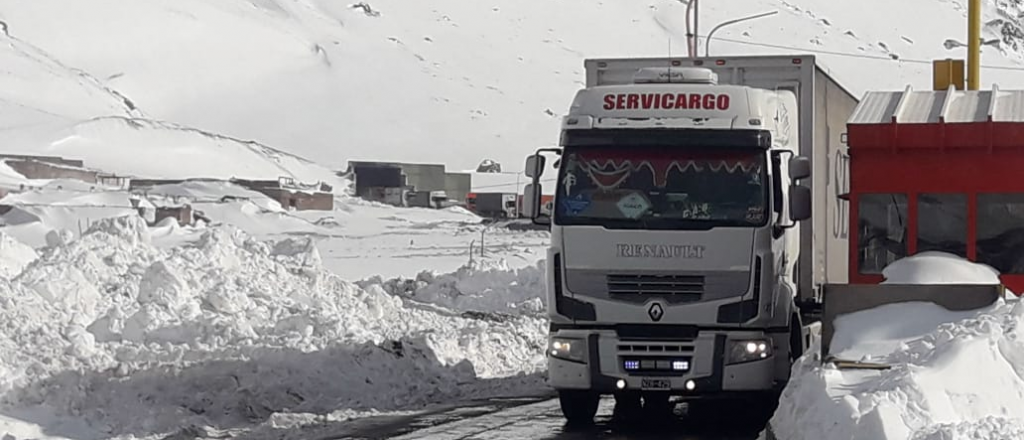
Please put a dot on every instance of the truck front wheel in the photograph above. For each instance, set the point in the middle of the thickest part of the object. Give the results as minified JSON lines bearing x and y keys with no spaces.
{"x":578,"y":407}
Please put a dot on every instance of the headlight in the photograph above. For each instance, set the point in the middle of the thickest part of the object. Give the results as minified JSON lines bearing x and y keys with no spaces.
{"x":749,"y":350}
{"x":568,"y":349}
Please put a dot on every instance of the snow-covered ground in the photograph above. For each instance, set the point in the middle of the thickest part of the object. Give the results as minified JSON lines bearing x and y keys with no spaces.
{"x":112,"y":336}
{"x":953,"y":375}
{"x":357,"y":240}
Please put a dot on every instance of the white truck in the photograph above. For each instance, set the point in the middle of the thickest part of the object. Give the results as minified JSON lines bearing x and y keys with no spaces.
{"x":680,"y":260}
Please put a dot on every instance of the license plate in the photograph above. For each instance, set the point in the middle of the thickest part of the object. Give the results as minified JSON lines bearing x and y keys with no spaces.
{"x":655,"y":384}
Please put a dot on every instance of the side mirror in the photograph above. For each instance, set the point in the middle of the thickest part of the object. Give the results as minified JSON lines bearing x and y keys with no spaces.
{"x":799,"y":168}
{"x":534,"y":166}
{"x":799,"y":203}
{"x":532,"y":203}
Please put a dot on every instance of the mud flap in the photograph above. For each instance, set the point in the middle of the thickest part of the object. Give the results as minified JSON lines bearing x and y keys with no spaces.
{"x":842,"y":299}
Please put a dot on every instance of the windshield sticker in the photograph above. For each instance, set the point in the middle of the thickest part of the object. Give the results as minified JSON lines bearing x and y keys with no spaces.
{"x":755,"y":214}
{"x":609,"y":172}
{"x":569,"y":181}
{"x":575,"y":205}
{"x":696,"y":211}
{"x":607,"y":176}
{"x":633,"y":205}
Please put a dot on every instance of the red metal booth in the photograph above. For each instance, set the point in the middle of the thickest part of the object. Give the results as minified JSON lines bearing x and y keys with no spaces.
{"x":937,"y":171}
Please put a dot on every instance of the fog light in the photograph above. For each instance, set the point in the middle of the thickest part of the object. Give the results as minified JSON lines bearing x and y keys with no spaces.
{"x":621,"y":384}
{"x":691,"y":385}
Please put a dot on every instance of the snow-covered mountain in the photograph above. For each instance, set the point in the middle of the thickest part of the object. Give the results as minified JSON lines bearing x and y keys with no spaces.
{"x":451,"y":81}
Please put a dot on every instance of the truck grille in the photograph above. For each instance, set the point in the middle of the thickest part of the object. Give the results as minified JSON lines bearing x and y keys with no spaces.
{"x":654,"y":348}
{"x":689,"y":285}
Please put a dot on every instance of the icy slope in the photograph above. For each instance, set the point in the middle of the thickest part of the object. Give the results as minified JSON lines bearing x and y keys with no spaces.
{"x":954,"y":375}
{"x":449,"y":80}
{"x":131,"y":339}
{"x":53,"y":108}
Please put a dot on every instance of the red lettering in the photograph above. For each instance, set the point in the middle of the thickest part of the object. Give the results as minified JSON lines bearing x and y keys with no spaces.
{"x":708,"y":102}
{"x":633,"y":102}
{"x":667,"y":101}
{"x":681,"y":101}
{"x":647,"y":100}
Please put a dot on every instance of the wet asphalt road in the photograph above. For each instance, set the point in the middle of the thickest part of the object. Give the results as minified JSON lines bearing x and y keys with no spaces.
{"x":535,"y":418}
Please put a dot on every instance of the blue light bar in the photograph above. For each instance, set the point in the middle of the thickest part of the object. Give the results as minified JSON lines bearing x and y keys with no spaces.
{"x":631,"y":365}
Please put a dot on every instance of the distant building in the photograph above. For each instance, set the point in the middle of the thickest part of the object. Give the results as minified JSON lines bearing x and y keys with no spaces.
{"x":406,"y":184}
{"x":286,"y":191}
{"x":183,"y":214}
{"x":113,"y":180}
{"x":292,"y":194}
{"x":49,"y":167}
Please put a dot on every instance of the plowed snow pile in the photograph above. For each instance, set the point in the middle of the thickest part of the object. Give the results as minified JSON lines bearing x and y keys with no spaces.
{"x":482,"y":286}
{"x":226,"y":332}
{"x":954,"y":375}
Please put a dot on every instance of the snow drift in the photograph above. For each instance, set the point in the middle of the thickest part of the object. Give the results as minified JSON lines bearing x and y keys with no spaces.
{"x":225,"y":332}
{"x":954,"y":375}
{"x":482,"y":286}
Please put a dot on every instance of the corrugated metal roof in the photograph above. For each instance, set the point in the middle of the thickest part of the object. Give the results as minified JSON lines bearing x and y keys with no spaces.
{"x":915,"y":107}
{"x":876,"y":107}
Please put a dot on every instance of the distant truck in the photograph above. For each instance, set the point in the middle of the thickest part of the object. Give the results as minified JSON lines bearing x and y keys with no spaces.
{"x":680,"y":261}
{"x":496,"y":205}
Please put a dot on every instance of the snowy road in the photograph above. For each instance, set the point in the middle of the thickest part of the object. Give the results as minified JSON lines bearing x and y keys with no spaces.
{"x":532,"y":418}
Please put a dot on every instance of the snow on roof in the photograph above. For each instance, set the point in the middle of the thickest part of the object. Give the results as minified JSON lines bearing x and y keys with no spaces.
{"x":958,"y":106}
{"x":938,"y":268}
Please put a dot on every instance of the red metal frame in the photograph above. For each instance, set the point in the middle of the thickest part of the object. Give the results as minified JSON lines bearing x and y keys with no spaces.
{"x":965,"y":158}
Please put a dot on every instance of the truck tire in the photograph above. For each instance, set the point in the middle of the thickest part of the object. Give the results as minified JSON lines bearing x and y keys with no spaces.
{"x":578,"y":407}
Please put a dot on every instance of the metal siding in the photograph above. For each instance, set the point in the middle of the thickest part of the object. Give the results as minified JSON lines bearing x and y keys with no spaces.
{"x":1009,"y":106}
{"x":968,"y":107}
{"x":927,"y":106}
{"x":835,"y":229}
{"x":876,"y":107}
{"x":920,"y":107}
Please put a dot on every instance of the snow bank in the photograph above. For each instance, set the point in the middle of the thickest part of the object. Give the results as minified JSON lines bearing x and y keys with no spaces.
{"x":953,"y":375}
{"x":14,"y":256}
{"x":483,"y":286}
{"x":228,"y":331}
{"x":938,"y":268}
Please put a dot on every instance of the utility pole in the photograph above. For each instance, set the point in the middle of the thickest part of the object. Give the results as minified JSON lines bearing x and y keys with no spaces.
{"x":974,"y":44}
{"x":696,"y":25}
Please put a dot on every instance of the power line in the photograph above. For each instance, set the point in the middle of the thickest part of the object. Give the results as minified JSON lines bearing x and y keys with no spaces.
{"x":853,"y":55}
{"x":509,"y":184}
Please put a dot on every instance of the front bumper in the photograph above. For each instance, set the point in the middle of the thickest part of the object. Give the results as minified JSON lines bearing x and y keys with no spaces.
{"x":602,"y":367}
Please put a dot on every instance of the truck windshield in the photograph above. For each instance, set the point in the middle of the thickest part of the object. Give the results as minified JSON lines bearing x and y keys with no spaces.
{"x":658,"y":188}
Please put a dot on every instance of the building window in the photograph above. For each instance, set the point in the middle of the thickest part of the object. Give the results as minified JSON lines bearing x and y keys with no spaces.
{"x":942,"y":223}
{"x":1001,"y":232}
{"x":882,"y":231}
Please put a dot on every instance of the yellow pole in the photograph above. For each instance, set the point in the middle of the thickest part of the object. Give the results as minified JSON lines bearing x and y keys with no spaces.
{"x":974,"y":45}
